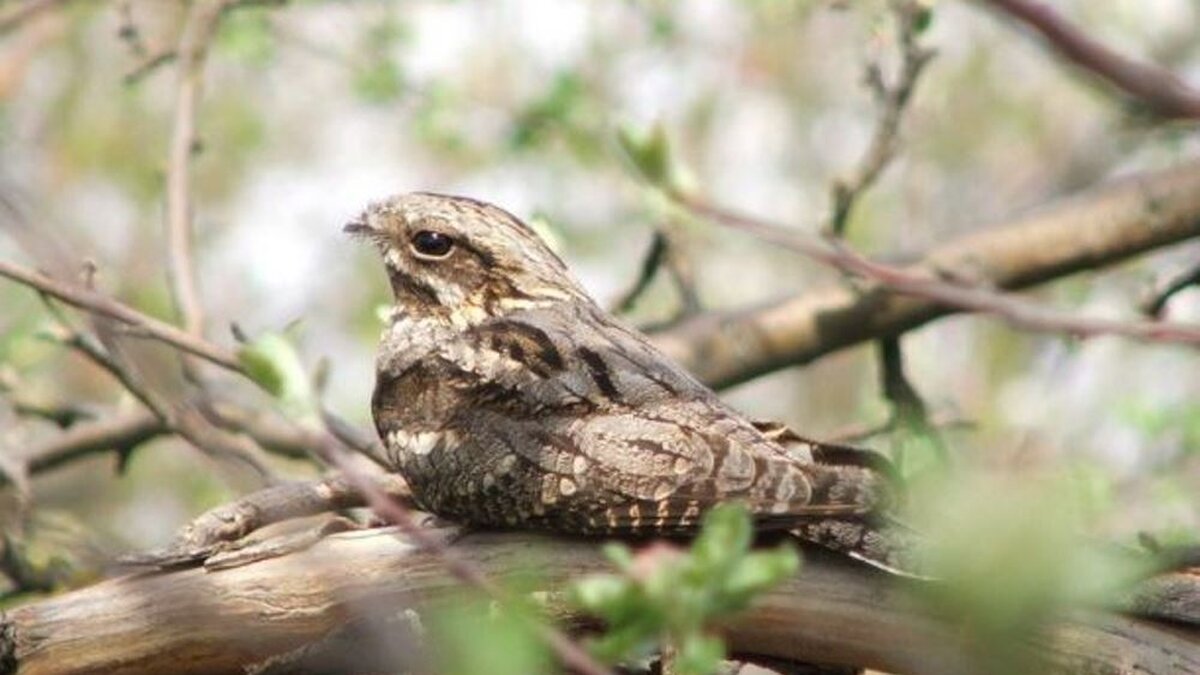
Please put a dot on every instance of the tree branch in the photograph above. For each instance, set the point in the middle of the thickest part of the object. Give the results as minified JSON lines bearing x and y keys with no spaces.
{"x":98,"y":303}
{"x":893,"y":101}
{"x":1102,"y":226}
{"x":17,"y":13}
{"x":199,"y":27}
{"x":834,"y":611}
{"x":1160,"y":90}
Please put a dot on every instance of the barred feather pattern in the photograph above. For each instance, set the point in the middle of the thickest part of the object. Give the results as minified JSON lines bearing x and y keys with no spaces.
{"x":509,"y":399}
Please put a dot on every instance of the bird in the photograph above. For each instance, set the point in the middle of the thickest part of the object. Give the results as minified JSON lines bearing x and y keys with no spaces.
{"x":509,"y":399}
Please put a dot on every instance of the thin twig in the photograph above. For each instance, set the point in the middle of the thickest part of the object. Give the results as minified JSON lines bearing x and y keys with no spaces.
{"x":893,"y":102}
{"x":199,"y":27}
{"x":651,"y":262}
{"x":17,"y":13}
{"x":909,"y":411}
{"x":1014,"y":310}
{"x":180,"y":418}
{"x":665,"y":253}
{"x":1163,"y":92}
{"x":859,"y":432}
{"x":1158,"y":295}
{"x":100,"y":304}
{"x":120,"y":434}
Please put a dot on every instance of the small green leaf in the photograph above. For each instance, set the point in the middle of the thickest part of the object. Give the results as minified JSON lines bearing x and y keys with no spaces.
{"x":726,"y":534}
{"x":758,"y":572}
{"x":619,"y":555}
{"x":650,"y":153}
{"x":472,"y":637}
{"x":273,"y":363}
{"x":600,"y":594}
{"x":699,"y":654}
{"x":662,"y":593}
{"x":923,"y":19}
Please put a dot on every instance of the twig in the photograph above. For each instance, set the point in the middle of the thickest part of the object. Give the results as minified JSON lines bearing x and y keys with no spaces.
{"x":893,"y":101}
{"x":19,"y":12}
{"x":1158,"y":295}
{"x":909,"y":412}
{"x":62,"y":415}
{"x":1086,"y":231}
{"x":273,"y":437}
{"x":651,"y":262}
{"x":1014,"y":310}
{"x":1160,"y":90}
{"x":200,"y":25}
{"x":860,"y":432}
{"x":665,"y":252}
{"x":178,"y":417}
{"x":120,"y":434}
{"x":148,"y":65}
{"x":98,"y":303}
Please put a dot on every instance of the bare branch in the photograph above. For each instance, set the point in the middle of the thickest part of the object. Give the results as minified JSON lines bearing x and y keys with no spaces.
{"x":834,"y":611}
{"x":98,"y":303}
{"x":116,"y":434}
{"x":1017,"y":311}
{"x":1158,"y":295}
{"x":1160,"y":90}
{"x":199,"y":27}
{"x":1108,"y":224}
{"x":219,"y":528}
{"x":652,"y":261}
{"x":20,"y":11}
{"x":893,"y":102}
{"x":665,"y":252}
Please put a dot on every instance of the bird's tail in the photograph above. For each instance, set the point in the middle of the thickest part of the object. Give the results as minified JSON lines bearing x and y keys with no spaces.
{"x":891,"y":547}
{"x":874,"y":538}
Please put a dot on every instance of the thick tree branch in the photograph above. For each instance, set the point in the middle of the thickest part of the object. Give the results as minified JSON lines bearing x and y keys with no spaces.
{"x":192,"y":621}
{"x":1103,"y":226}
{"x":1160,"y":90}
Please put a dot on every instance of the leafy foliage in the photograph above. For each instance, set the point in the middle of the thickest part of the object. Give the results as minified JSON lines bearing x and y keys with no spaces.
{"x":663,"y":593}
{"x":471,"y":636}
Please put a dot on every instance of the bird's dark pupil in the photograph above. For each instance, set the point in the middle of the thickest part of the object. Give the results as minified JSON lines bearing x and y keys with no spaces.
{"x":432,"y":243}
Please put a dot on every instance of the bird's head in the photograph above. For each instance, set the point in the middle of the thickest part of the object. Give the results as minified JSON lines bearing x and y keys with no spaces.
{"x":460,"y":259}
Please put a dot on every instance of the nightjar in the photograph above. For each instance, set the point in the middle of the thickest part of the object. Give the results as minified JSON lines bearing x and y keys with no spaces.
{"x":508,"y":398}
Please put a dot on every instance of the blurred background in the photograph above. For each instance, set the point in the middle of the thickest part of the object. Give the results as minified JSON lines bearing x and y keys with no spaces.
{"x":312,"y":109}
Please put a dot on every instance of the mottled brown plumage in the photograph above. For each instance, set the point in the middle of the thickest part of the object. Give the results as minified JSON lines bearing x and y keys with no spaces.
{"x":508,"y":398}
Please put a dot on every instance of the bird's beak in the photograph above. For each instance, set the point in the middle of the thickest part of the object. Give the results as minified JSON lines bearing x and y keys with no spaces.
{"x":358,"y":227}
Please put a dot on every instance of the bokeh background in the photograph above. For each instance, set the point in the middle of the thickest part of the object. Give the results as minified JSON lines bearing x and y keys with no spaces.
{"x":312,"y":109}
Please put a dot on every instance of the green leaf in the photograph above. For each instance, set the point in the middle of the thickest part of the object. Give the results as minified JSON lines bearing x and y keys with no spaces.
{"x":699,"y":654}
{"x":661,"y":591}
{"x":246,"y":36}
{"x":273,"y":363}
{"x":470,"y":637}
{"x":601,"y":594}
{"x":650,"y":153}
{"x":923,"y":19}
{"x":758,"y":572}
{"x":725,"y":535}
{"x":380,"y":81}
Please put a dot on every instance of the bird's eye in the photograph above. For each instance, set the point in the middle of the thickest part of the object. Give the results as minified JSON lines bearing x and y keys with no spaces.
{"x":430,"y":244}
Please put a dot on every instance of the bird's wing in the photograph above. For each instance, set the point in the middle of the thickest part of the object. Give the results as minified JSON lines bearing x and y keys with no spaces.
{"x":594,"y":403}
